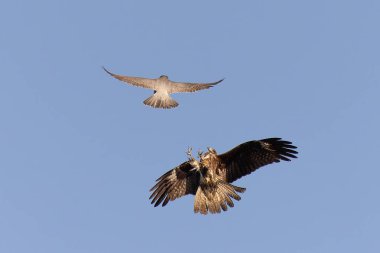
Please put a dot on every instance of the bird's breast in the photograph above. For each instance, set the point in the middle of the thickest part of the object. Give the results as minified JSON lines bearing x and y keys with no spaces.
{"x":209,"y":176}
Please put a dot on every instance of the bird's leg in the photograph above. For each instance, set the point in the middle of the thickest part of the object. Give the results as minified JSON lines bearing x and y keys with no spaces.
{"x":194,"y":163}
{"x":189,"y":154}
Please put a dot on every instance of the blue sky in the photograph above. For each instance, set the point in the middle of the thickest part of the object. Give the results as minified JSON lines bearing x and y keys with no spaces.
{"x":79,"y":150}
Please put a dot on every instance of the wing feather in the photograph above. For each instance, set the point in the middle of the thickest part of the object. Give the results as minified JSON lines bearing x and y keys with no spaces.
{"x":136,"y":81}
{"x":175,"y":183}
{"x":248,"y":157}
{"x":191,"y":87}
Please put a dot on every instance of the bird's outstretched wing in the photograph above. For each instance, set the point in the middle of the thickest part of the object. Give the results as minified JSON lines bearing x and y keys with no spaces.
{"x":248,"y":157}
{"x":175,"y":183}
{"x":136,"y":81}
{"x":190,"y":87}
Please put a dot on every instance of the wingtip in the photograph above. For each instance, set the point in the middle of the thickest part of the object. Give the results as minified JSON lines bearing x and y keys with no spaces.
{"x":106,"y":70}
{"x":210,"y":85}
{"x":221,"y":80}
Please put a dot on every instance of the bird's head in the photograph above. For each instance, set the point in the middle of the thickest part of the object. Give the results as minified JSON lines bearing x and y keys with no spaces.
{"x":164,"y":77}
{"x":207,"y":156}
{"x":211,"y":150}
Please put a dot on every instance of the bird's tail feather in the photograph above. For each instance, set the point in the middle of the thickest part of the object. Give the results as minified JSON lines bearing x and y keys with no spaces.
{"x":160,"y":101}
{"x":216,"y":197}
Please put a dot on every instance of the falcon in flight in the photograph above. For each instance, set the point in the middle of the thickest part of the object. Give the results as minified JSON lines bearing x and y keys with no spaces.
{"x":210,"y":178}
{"x":162,"y":88}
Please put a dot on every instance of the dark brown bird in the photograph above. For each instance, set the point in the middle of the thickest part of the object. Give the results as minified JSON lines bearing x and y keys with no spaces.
{"x":162,"y":88}
{"x":210,"y":178}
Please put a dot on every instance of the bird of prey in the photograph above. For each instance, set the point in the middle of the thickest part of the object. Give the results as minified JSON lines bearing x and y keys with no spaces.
{"x":210,"y":178}
{"x":162,"y":88}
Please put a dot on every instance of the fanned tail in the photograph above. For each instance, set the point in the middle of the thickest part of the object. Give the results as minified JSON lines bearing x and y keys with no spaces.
{"x":216,"y":197}
{"x":158,"y":100}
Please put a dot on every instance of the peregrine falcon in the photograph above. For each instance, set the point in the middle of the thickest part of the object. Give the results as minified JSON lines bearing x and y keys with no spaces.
{"x":162,"y":88}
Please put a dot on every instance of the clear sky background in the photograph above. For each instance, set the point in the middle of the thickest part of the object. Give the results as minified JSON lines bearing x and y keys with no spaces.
{"x":80,"y":151}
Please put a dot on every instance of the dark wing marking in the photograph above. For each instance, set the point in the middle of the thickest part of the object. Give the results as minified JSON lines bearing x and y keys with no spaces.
{"x":136,"y":81}
{"x":175,"y":183}
{"x":190,"y":87}
{"x":248,"y":157}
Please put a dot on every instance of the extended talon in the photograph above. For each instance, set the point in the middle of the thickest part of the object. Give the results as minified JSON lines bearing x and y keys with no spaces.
{"x":189,"y":153}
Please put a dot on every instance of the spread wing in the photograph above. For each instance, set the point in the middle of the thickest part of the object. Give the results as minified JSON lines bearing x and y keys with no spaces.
{"x":175,"y":183}
{"x":136,"y":81}
{"x":248,"y":157}
{"x":191,"y":87}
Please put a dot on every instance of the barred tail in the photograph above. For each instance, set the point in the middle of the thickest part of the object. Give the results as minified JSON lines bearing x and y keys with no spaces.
{"x":215,"y":198}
